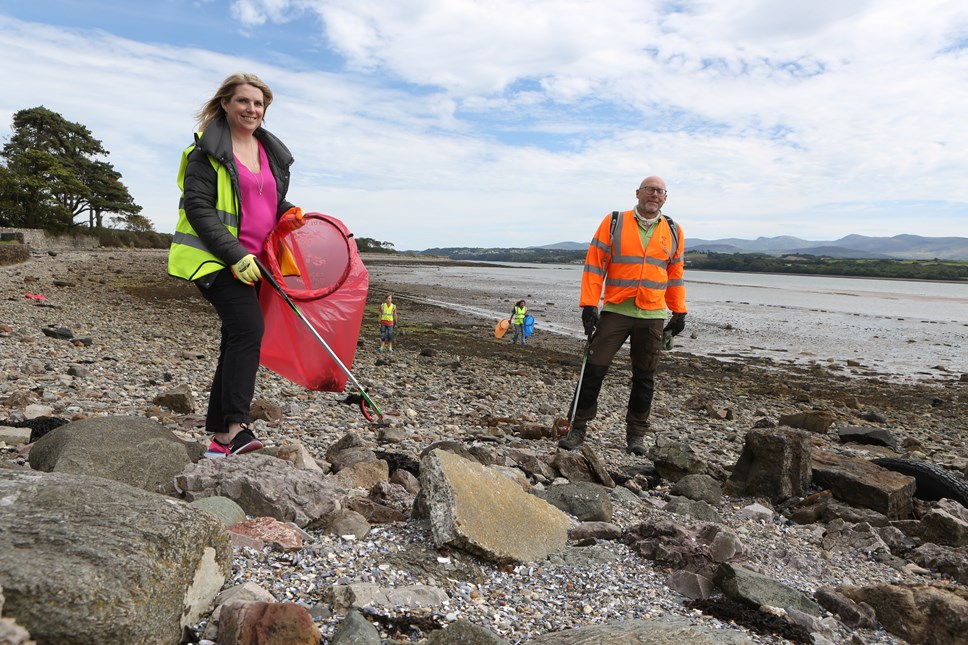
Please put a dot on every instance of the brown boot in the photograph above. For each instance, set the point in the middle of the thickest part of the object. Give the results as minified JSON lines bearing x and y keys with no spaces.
{"x":635,"y":445}
{"x":572,"y":440}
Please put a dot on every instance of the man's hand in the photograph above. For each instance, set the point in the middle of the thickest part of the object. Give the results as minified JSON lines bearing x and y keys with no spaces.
{"x":676,"y":324}
{"x":246,"y":270}
{"x":290,"y":220}
{"x":589,"y":319}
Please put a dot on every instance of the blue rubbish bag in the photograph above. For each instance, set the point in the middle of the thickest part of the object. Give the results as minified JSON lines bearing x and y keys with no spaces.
{"x":528,"y":326}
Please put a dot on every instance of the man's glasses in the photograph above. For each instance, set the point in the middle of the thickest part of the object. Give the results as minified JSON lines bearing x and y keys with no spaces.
{"x":651,"y":190}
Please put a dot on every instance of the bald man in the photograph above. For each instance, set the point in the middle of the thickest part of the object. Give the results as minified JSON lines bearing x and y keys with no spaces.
{"x":635,"y":264}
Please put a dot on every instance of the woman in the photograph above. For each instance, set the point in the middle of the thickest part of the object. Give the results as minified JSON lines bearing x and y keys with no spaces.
{"x":234,"y":181}
{"x":517,"y":319}
{"x":388,"y":320}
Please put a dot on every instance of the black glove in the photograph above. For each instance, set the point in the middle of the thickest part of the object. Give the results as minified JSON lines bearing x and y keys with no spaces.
{"x":589,"y":318}
{"x":676,"y":324}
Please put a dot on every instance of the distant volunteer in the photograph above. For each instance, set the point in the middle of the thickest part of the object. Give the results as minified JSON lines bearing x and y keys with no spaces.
{"x":234,"y":181}
{"x":636,"y":265}
{"x":518,"y":315}
{"x":388,"y":321}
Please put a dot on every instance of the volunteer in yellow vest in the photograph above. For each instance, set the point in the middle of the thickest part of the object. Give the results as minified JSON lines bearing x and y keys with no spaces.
{"x":388,"y":320}
{"x":638,"y":270}
{"x":517,"y":319}
{"x":234,"y":181}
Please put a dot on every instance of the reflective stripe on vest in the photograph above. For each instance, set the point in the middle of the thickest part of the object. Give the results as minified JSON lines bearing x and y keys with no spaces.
{"x":189,"y":258}
{"x":617,"y":262}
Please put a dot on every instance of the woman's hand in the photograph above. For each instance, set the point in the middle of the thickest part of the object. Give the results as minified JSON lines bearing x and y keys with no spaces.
{"x":291,"y":220}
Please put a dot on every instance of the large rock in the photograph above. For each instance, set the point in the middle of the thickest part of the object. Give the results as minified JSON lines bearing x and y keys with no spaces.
{"x":265,"y":486}
{"x":951,"y":562}
{"x":699,"y":487}
{"x":697,"y":509}
{"x":89,"y":561}
{"x":363,"y":474}
{"x":754,"y":589}
{"x":774,"y":464}
{"x":668,"y":630}
{"x":916,"y":614}
{"x":10,"y":632}
{"x":818,"y":421}
{"x":944,"y":528}
{"x":855,"y":614}
{"x":861,"y":483}
{"x":356,"y":630}
{"x":675,"y":459}
{"x":134,"y":450}
{"x":481,"y":511}
{"x":586,"y":501}
{"x":369,"y":594}
{"x":464,"y":632}
{"x":697,"y":549}
{"x":266,"y":623}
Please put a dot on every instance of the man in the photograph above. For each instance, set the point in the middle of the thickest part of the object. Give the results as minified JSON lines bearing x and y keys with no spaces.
{"x":638,"y":263}
{"x":388,"y":320}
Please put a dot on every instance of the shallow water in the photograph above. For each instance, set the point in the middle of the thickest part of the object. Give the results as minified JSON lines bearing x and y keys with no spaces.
{"x":901,"y":329}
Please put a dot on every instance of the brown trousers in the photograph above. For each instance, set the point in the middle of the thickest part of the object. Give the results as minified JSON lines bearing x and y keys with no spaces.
{"x":646,"y":348}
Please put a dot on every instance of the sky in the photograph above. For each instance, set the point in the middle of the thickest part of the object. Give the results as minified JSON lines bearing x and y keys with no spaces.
{"x":511,"y":123}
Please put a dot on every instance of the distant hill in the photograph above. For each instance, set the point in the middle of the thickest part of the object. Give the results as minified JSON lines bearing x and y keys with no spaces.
{"x":563,"y":246}
{"x":901,"y":247}
{"x":531,"y":254}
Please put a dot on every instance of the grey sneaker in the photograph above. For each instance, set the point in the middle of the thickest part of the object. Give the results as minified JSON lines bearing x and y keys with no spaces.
{"x":635,"y":444}
{"x":574,"y":438}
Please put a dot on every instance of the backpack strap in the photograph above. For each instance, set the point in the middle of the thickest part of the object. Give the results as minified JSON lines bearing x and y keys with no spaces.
{"x":611,"y":235}
{"x":675,"y":234}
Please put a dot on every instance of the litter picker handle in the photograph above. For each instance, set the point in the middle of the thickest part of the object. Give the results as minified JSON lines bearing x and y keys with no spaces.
{"x":581,"y":376}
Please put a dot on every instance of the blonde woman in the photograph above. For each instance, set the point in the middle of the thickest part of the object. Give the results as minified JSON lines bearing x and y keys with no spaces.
{"x":234,"y":181}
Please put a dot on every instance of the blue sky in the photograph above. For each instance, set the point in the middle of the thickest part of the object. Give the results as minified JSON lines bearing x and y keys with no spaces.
{"x":522,"y":122}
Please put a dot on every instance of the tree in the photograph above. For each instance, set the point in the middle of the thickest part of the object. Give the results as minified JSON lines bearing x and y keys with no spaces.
{"x":108,"y":195}
{"x":54,"y":176}
{"x":136,"y":223}
{"x":369,"y":245}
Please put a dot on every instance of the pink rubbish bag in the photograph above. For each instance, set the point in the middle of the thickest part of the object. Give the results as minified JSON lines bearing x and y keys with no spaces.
{"x":319,"y":268}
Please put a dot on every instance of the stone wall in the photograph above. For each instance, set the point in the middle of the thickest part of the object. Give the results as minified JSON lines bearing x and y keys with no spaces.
{"x":13,"y":253}
{"x":39,"y":240}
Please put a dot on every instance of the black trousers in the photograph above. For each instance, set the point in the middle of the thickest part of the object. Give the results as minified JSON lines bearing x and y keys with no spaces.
{"x":646,"y":348}
{"x":233,"y":386}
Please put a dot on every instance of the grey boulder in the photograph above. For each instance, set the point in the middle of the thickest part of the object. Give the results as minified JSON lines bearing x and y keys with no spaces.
{"x":88,"y":561}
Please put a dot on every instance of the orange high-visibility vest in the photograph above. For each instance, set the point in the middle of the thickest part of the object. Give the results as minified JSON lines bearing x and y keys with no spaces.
{"x":617,"y":262}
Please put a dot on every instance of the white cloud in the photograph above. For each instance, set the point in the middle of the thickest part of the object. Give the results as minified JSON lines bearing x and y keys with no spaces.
{"x":522,"y":122}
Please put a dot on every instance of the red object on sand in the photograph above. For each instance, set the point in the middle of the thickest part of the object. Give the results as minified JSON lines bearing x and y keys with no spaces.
{"x":35,"y":296}
{"x":330,"y":291}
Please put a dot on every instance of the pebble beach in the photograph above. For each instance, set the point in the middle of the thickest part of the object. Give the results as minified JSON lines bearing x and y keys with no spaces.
{"x":451,"y":379}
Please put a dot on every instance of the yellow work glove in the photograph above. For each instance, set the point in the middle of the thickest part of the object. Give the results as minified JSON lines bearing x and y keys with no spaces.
{"x":246,"y":270}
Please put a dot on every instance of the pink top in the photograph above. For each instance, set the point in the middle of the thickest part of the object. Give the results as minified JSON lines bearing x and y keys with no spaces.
{"x":259,"y":204}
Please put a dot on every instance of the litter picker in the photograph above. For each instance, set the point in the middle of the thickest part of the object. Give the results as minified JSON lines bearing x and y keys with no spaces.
{"x":581,"y":375}
{"x":367,"y":406}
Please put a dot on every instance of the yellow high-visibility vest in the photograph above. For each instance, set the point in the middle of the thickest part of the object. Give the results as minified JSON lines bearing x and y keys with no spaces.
{"x":189,"y":258}
{"x":388,"y":312}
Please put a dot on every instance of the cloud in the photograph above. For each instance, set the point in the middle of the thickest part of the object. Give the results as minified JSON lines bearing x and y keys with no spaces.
{"x":450,"y":122}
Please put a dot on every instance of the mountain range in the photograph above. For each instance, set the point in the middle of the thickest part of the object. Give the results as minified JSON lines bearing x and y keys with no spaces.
{"x":901,"y":247}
